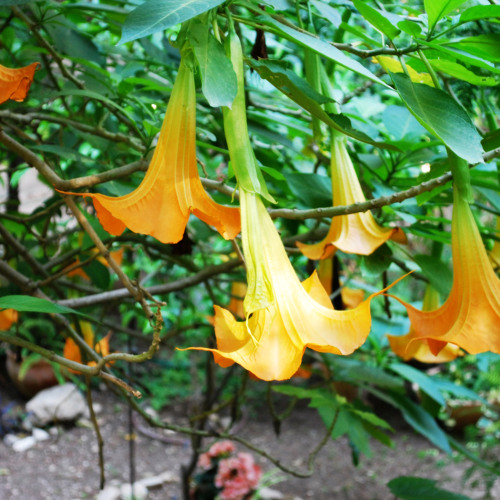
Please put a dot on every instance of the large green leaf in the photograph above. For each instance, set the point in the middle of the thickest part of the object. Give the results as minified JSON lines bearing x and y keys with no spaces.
{"x":437,"y":272}
{"x":419,"y":488}
{"x":442,"y":116}
{"x":319,"y":46}
{"x":454,"y":53}
{"x":313,"y":190}
{"x":299,"y":91}
{"x":437,"y":9}
{"x":328,"y":12}
{"x":456,"y":70}
{"x":425,"y":382}
{"x":480,"y":12}
{"x":218,"y":79}
{"x":484,"y":46}
{"x":26,"y":303}
{"x":377,"y":19}
{"x":158,"y":15}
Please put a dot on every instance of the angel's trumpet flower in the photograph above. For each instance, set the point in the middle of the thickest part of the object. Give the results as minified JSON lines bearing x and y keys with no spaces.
{"x":356,"y":233}
{"x":470,"y":317}
{"x":171,"y":189}
{"x":16,"y":82}
{"x":72,"y":351}
{"x":408,"y":347}
{"x":351,"y":297}
{"x":283,"y":316}
{"x":7,"y":317}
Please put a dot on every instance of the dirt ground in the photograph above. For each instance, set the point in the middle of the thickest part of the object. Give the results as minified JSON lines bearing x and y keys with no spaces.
{"x":65,"y":467}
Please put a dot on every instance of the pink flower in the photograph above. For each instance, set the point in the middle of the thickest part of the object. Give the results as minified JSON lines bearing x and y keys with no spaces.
{"x":237,"y":476}
{"x":204,"y":461}
{"x":219,"y":448}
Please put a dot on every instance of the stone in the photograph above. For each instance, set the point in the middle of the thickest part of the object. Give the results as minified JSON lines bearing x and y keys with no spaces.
{"x":40,"y":434}
{"x":109,"y":493}
{"x":140,"y":492}
{"x":155,"y":481}
{"x":24,"y":444}
{"x":270,"y":494}
{"x":61,"y":403}
{"x":10,"y":439}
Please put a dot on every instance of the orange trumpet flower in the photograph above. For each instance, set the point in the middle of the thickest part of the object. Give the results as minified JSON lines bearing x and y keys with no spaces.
{"x":408,"y":346}
{"x":7,"y":317}
{"x":283,"y":316}
{"x":470,"y":317}
{"x":356,"y":233}
{"x":171,"y":189}
{"x":16,"y":82}
{"x":72,"y":351}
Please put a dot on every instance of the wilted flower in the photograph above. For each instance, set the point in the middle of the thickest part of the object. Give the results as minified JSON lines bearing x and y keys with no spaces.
{"x":470,"y":317}
{"x":16,"y":82}
{"x":408,"y":347}
{"x":356,"y":233}
{"x":171,"y":189}
{"x":283,"y":316}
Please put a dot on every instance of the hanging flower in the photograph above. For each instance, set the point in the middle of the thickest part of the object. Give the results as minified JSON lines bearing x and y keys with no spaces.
{"x":351,"y":297}
{"x":283,"y":316}
{"x":408,"y":346}
{"x":470,"y":317}
{"x":72,"y":351}
{"x":495,"y":251}
{"x":356,"y":233}
{"x":16,"y":82}
{"x":7,"y":317}
{"x":171,"y":189}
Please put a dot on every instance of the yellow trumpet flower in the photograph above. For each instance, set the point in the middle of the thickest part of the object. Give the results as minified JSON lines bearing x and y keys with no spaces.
{"x":283,"y":316}
{"x":7,"y":318}
{"x":408,"y":347}
{"x":16,"y":82}
{"x":356,"y":233}
{"x":470,"y":317}
{"x":171,"y":189}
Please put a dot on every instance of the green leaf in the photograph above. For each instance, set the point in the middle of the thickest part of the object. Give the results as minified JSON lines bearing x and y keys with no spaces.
{"x":158,"y":15}
{"x":442,"y":116}
{"x":319,"y":46}
{"x":300,"y":92}
{"x":437,"y":9}
{"x":313,"y":190}
{"x":461,"y":56}
{"x":438,"y":273}
{"x":26,"y":303}
{"x":329,"y":13}
{"x":8,"y":3}
{"x":456,"y":70}
{"x":410,"y":27}
{"x":419,"y":488}
{"x":484,"y":46}
{"x":418,"y":418}
{"x":425,"y":382}
{"x":376,"y":263}
{"x":378,"y":19}
{"x":218,"y":79}
{"x":480,"y":12}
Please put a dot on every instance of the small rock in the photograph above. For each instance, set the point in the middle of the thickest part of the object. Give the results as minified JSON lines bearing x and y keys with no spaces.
{"x":270,"y":494}
{"x":40,"y":434}
{"x":61,"y":403}
{"x":140,"y":492}
{"x":155,"y":481}
{"x":109,"y":493}
{"x":10,"y":439}
{"x":24,"y":444}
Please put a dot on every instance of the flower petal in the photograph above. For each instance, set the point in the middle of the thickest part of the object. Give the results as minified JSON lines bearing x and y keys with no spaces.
{"x":16,"y":82}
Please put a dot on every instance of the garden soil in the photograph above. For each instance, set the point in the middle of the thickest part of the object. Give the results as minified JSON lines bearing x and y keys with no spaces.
{"x":65,"y":467}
